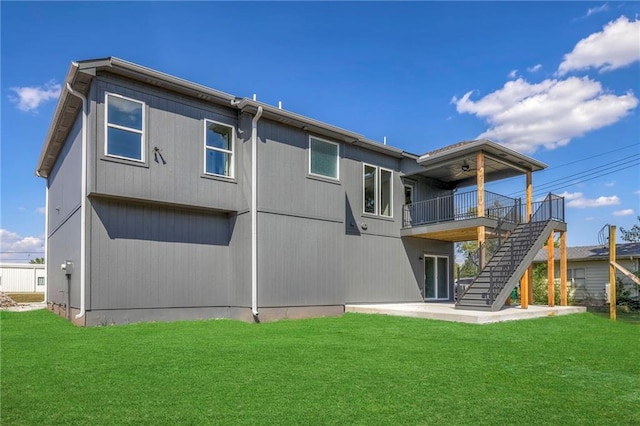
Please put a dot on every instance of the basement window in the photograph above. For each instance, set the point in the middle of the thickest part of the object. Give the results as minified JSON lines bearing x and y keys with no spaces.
{"x":125,"y":127}
{"x":377,"y":190}
{"x":324,"y":158}
{"x":218,"y":149}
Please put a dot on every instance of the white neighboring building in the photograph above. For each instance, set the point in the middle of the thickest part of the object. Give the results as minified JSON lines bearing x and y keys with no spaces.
{"x":22,"y":278}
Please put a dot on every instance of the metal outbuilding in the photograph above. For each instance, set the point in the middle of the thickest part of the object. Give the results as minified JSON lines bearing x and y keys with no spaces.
{"x":22,"y":278}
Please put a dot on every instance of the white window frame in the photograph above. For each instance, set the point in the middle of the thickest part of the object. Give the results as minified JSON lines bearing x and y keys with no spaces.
{"x":390,"y":215}
{"x":337,"y":177}
{"x":412,"y":185}
{"x":231,"y":152}
{"x":126,"y":129}
{"x":377,"y":191}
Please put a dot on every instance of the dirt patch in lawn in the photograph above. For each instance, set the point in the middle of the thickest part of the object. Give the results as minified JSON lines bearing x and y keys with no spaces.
{"x":7,"y":303}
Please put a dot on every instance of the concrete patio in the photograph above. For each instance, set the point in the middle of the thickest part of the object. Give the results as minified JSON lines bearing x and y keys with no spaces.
{"x":447,"y":312}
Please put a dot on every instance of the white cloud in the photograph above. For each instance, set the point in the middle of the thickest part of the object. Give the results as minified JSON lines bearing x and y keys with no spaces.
{"x":40,"y":210}
{"x":610,"y":184}
{"x":513,"y":74}
{"x":637,"y":192}
{"x":614,"y":47}
{"x":589,"y":218}
{"x":578,"y":200}
{"x":16,"y":248}
{"x":535,"y":68}
{"x":625,"y":212}
{"x":572,"y":195}
{"x":597,"y":9}
{"x":526,"y":116}
{"x":29,"y":98}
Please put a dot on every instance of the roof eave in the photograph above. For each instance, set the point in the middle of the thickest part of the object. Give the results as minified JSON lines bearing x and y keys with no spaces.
{"x":318,"y":127}
{"x":484,"y":145}
{"x":45,"y":153}
{"x":68,"y":107}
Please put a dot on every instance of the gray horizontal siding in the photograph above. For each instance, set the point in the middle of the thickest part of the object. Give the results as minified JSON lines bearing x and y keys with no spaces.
{"x":65,"y":179}
{"x":383,"y":269}
{"x":64,"y":244}
{"x":283,"y":182}
{"x":175,"y":125}
{"x":146,"y":256}
{"x":299,"y":261}
{"x":597,"y":277}
{"x":64,"y":216}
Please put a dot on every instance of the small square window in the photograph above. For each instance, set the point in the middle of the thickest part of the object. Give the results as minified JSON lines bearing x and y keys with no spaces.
{"x":218,"y":149}
{"x":40,"y":280}
{"x":324,"y":158}
{"x":124,"y":127}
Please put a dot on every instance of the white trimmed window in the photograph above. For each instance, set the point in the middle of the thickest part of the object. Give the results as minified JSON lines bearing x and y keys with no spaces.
{"x":219,"y":142}
{"x":125,"y":127}
{"x":324,"y":158}
{"x":377,"y":190}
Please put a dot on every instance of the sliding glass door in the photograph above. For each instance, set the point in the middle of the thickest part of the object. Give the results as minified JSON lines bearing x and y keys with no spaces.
{"x":436,"y":277}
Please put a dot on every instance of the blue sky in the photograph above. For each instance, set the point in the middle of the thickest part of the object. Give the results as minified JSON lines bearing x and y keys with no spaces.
{"x":557,"y":81}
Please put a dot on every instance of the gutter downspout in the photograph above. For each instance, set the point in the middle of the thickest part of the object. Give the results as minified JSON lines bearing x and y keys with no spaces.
{"x":254,"y":213}
{"x":46,"y":242}
{"x":83,"y":204}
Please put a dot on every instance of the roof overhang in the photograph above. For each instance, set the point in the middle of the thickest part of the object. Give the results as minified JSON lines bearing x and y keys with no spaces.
{"x":271,"y":112}
{"x":457,"y":164}
{"x":81,"y":74}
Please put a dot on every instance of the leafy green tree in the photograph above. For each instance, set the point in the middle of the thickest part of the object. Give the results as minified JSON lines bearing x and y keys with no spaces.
{"x":37,"y":261}
{"x":540,"y":289}
{"x":631,"y":235}
{"x":469,"y":249}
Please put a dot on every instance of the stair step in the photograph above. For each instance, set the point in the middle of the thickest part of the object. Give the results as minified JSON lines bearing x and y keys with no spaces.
{"x":501,"y":267}
{"x":473,"y":308}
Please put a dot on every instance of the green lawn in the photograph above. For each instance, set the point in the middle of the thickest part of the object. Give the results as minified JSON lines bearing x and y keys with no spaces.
{"x":355,"y":369}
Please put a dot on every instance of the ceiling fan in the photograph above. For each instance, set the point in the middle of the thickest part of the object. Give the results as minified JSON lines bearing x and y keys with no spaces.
{"x":465,"y":168}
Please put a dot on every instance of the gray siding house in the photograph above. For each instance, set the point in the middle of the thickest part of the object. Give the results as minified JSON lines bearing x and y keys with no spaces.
{"x":588,"y":270}
{"x":169,"y":200}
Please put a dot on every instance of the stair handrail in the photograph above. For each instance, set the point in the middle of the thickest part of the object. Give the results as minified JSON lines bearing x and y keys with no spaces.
{"x":499,"y":274}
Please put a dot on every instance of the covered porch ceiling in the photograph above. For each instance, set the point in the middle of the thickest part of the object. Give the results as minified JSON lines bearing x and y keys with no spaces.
{"x":457,"y":165}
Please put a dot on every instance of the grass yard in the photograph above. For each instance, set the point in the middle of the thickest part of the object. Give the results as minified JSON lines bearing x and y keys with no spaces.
{"x":355,"y":369}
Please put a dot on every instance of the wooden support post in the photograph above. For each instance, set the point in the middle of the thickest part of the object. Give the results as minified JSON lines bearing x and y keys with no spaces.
{"x":529,"y":192}
{"x":529,"y":212}
{"x":563,"y":269}
{"x":550,"y":271}
{"x":524,"y":291}
{"x":482,"y":258}
{"x":612,"y":272}
{"x":531,"y":299}
{"x":481,"y":208}
{"x":480,"y":182}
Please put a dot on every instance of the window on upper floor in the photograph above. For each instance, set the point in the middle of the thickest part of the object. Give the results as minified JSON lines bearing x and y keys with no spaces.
{"x":219,"y":143}
{"x":324,"y":158}
{"x":125,"y":127}
{"x":377,"y":190}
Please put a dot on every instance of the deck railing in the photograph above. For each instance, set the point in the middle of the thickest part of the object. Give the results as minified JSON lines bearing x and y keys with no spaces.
{"x":465,"y":206}
{"x":461,"y":206}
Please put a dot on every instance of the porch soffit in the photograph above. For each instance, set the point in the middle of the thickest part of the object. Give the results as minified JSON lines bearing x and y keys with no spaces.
{"x":457,"y":164}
